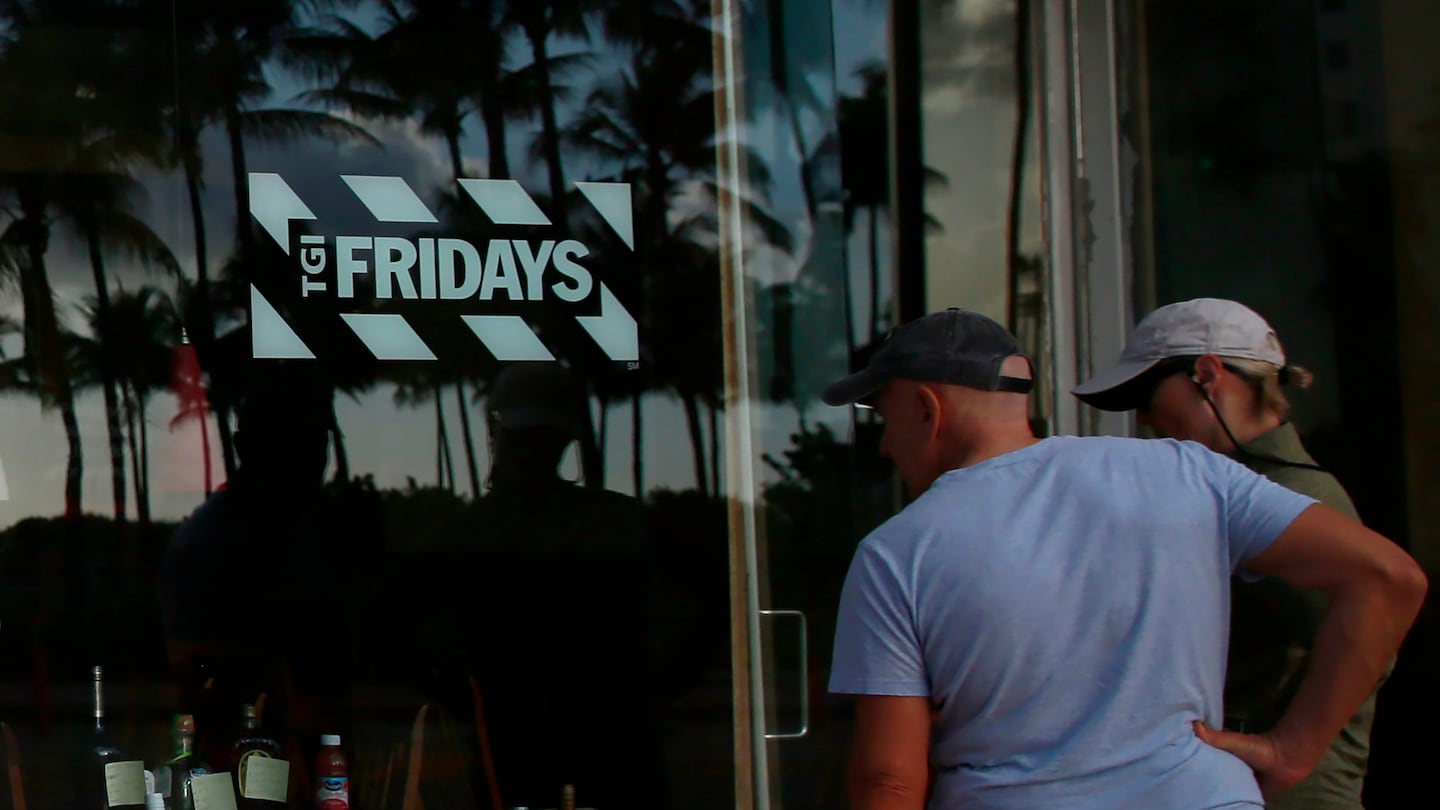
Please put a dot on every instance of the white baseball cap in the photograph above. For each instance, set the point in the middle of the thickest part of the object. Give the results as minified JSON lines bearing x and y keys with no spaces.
{"x":1185,"y":329}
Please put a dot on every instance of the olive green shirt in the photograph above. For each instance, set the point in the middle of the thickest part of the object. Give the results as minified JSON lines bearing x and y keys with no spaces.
{"x":1272,"y":630}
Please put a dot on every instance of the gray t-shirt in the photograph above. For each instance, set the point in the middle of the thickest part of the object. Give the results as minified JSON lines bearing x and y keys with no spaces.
{"x":1066,"y":609}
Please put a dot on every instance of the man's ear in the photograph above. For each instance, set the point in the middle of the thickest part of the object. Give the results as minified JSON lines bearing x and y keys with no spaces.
{"x":928,"y":400}
{"x":1208,"y":369}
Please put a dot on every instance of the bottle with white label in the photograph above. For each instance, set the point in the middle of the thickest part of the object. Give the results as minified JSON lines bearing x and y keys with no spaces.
{"x":333,"y":775}
{"x":173,"y":779}
{"x":262,"y":775}
{"x":110,"y":778}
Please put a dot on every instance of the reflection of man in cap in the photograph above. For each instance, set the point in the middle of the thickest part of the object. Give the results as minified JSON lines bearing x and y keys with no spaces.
{"x":550,"y":584}
{"x":1046,"y":622}
{"x":247,"y":577}
{"x":535,"y":412}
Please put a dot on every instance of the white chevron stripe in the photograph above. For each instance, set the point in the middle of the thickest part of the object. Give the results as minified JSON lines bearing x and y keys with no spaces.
{"x":504,"y":201}
{"x":507,"y":337}
{"x":273,"y":204}
{"x":612,"y":202}
{"x":271,"y":338}
{"x":614,"y":330}
{"x":388,"y":336}
{"x":390,"y":199}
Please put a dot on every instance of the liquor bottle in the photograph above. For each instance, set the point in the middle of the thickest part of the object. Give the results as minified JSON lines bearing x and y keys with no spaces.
{"x":173,"y":779}
{"x":262,"y":775}
{"x":111,"y":778}
{"x":567,"y":797}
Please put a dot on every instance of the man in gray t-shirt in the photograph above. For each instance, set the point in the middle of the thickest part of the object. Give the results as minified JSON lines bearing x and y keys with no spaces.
{"x":1046,"y":624}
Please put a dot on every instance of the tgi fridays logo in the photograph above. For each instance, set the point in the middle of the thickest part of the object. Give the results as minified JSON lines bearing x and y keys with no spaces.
{"x":362,"y":268}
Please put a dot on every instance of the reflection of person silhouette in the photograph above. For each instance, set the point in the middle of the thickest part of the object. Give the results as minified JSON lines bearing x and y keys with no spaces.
{"x":250,"y":595}
{"x":551,"y":591}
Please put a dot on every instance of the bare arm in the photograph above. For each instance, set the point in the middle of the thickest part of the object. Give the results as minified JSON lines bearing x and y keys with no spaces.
{"x":889,"y":761}
{"x":1375,"y":591}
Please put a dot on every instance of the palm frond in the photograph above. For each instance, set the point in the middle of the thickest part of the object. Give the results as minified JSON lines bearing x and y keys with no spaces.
{"x":281,"y":124}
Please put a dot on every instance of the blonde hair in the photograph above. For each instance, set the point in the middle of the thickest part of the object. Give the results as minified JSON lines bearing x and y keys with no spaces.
{"x":1267,"y":381}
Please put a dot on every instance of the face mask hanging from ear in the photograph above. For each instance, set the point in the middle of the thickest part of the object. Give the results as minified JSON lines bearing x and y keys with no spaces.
{"x":1240,"y":449}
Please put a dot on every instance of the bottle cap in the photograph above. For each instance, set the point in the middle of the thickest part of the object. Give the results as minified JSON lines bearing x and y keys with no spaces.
{"x":154,"y":801}
{"x":330,"y":739}
{"x":184,"y":724}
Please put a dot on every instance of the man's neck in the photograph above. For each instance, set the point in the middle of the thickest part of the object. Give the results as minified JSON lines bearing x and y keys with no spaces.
{"x":994,"y":445}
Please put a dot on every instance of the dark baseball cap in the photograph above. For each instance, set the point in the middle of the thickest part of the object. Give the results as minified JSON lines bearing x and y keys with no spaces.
{"x":954,"y":347}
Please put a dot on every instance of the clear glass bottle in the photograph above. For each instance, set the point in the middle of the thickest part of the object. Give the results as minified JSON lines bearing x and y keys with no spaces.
{"x":109,"y":777}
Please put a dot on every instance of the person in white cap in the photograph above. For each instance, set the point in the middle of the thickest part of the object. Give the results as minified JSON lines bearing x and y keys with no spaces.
{"x":1213,"y":371}
{"x":1045,"y":624}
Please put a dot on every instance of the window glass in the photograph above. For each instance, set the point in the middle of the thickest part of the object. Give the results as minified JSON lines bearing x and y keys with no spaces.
{"x":364,"y":364}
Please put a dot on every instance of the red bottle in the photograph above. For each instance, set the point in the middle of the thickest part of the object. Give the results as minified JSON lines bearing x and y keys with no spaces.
{"x":333,"y":775}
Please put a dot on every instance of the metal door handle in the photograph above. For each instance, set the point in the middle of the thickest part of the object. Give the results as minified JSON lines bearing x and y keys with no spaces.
{"x":804,"y":677}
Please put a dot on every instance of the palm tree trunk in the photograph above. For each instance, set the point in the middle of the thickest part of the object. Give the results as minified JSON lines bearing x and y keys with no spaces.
{"x":637,"y":445}
{"x":1017,"y":162}
{"x":240,"y":175}
{"x":337,"y":440}
{"x":550,"y":134}
{"x":442,"y":442}
{"x":782,"y":381}
{"x":204,"y":337}
{"x":495,"y":139}
{"x":715,"y":450}
{"x":74,"y":462}
{"x":205,"y":453}
{"x":136,"y":474}
{"x":491,"y":113}
{"x":874,"y":275}
{"x":191,"y":161}
{"x":697,"y":441}
{"x":42,"y":337}
{"x":107,"y":374}
{"x":457,"y":161}
{"x":142,"y":506}
{"x":779,"y":48}
{"x":602,"y":438}
{"x":470,"y":466}
{"x":457,"y":170}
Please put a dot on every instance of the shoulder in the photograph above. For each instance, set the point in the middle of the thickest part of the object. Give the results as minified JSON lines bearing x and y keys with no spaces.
{"x":1317,"y":484}
{"x":1155,"y":454}
{"x":209,"y":518}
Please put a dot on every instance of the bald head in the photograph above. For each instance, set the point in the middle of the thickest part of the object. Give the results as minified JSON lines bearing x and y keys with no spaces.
{"x":934,"y":427}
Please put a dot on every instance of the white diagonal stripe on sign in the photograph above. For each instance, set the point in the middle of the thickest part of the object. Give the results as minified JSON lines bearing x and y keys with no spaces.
{"x":388,"y":336}
{"x":507,"y":337}
{"x":612,"y":202}
{"x":390,"y":199}
{"x":614,"y":330}
{"x":271,"y":338}
{"x":504,"y":202}
{"x":273,"y":204}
